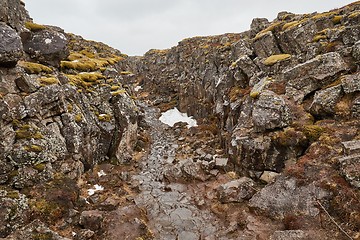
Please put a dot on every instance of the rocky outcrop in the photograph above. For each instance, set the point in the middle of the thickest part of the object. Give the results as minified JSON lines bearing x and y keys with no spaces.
{"x":63,"y":110}
{"x":281,"y":95}
{"x":48,"y":46}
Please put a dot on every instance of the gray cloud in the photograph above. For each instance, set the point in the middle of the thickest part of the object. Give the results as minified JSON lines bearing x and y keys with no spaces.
{"x":135,"y":26}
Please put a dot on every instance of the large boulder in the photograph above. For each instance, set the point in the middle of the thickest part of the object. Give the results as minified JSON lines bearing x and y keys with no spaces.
{"x":236,"y":191}
{"x":285,"y":197}
{"x":313,"y":74}
{"x":351,"y":83}
{"x":10,"y":46}
{"x":257,"y":153}
{"x":48,"y":46}
{"x":325,"y":101}
{"x":259,"y":24}
{"x":266,"y":45}
{"x":270,"y":111}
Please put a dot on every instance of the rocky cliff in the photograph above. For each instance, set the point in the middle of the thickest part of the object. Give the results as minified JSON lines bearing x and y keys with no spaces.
{"x":275,"y":155}
{"x":281,"y":98}
{"x":63,"y":109}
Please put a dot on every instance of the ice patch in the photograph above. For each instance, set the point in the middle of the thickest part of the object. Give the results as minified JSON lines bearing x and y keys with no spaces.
{"x":137,"y":88}
{"x":173,"y":116}
{"x":218,"y":82}
{"x":95,"y":189}
{"x":101,"y":173}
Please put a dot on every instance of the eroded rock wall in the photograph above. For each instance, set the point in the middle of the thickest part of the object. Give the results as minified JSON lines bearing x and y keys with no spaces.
{"x":63,"y":109}
{"x":283,"y":96}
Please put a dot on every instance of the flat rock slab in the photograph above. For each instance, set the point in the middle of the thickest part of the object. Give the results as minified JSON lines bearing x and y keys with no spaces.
{"x":351,"y":147}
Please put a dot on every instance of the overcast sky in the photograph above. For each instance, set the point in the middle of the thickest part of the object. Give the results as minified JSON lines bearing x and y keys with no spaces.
{"x":135,"y":26}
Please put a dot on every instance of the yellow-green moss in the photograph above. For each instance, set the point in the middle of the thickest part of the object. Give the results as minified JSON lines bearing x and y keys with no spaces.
{"x":254,"y":94}
{"x":42,"y":236}
{"x":118,"y":92}
{"x":33,"y":148}
{"x":82,"y":81}
{"x":115,"y":87}
{"x":13,"y":194}
{"x":268,"y":29}
{"x":312,"y":132}
{"x":34,"y":26}
{"x":290,"y":25}
{"x":126,"y":73}
{"x":354,"y":14}
{"x":34,"y":68}
{"x":91,"y":77}
{"x":319,"y":37}
{"x":44,"y":81}
{"x":294,"y":24}
{"x":158,"y":51}
{"x":322,"y":15}
{"x":276,"y":58}
{"x":104,"y":117}
{"x":28,"y":132}
{"x":73,"y":56}
{"x":289,"y":137}
{"x":86,"y":61}
{"x":87,"y":53}
{"x":286,"y":16}
{"x":40,"y":167}
{"x":82,"y":66}
{"x":45,"y":208}
{"x":70,"y":108}
{"x":337,"y":19}
{"x":78,"y":117}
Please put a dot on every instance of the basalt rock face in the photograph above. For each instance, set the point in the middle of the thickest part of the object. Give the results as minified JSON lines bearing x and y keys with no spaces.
{"x":283,"y":96}
{"x":275,"y":154}
{"x":63,"y":110}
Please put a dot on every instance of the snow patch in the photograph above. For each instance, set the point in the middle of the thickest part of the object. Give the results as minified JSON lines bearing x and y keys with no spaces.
{"x":48,"y":41}
{"x":218,"y":82}
{"x":173,"y":116}
{"x":101,"y":173}
{"x":96,"y":188}
{"x":137,"y":88}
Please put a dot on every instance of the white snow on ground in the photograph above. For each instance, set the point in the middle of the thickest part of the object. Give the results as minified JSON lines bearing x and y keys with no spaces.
{"x":173,"y":116}
{"x":101,"y":173}
{"x":95,"y":189}
{"x":137,"y":88}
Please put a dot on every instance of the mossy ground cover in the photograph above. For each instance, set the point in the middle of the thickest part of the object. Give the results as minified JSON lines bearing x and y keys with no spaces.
{"x":34,"y":26}
{"x":34,"y":68}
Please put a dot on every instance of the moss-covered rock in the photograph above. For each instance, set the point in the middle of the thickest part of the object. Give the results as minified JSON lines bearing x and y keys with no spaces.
{"x":34,"y":68}
{"x":273,"y":59}
{"x":34,"y":26}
